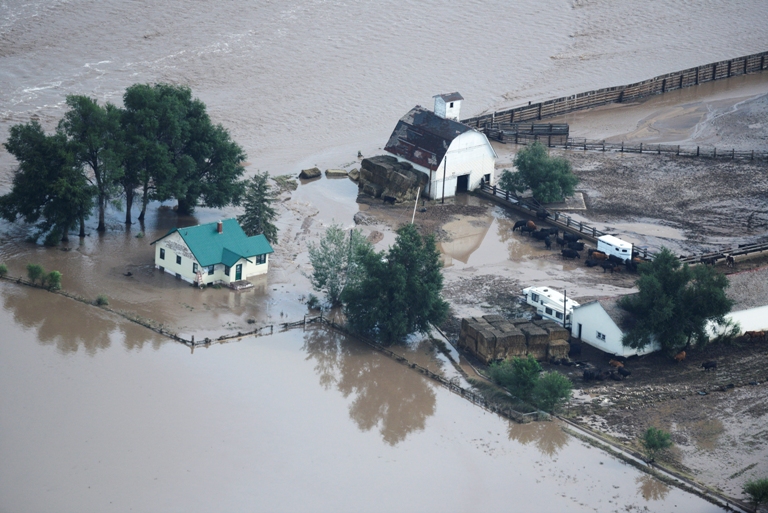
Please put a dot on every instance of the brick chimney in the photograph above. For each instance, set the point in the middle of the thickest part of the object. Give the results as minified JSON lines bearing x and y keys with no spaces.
{"x":220,"y":227}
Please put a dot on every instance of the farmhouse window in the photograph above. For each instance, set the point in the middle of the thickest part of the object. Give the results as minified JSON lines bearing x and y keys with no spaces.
{"x":194,"y":267}
{"x":261,"y":259}
{"x":600,"y":336}
{"x":178,"y":259}
{"x":226,"y":270}
{"x":162,"y":254}
{"x":210,"y":269}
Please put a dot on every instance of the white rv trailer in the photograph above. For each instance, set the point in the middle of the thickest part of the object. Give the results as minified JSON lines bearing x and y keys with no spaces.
{"x":550,"y":304}
{"x":611,"y":245}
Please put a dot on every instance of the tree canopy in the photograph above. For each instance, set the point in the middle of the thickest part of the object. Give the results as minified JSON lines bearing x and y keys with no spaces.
{"x":336,"y":261}
{"x":674,"y":303}
{"x":398,"y":291}
{"x":654,"y":441}
{"x":162,"y":143}
{"x":549,"y":178}
{"x":48,"y":189}
{"x":258,"y":215}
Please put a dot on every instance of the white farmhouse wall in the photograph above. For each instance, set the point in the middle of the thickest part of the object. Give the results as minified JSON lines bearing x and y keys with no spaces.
{"x":174,"y":246}
{"x":593,"y":319}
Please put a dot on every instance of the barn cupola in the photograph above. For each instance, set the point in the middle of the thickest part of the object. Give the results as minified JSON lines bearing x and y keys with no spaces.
{"x":448,"y":106}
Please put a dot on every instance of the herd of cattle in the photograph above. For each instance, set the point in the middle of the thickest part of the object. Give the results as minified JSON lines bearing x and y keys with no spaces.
{"x":619,"y":372}
{"x":571,"y":245}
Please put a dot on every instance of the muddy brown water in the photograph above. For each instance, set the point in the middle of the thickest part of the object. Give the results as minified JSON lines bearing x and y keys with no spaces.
{"x":101,"y":415}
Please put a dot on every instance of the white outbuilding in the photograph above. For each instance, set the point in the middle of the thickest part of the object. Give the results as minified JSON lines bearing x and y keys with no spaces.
{"x":456,"y":157}
{"x":600,"y":324}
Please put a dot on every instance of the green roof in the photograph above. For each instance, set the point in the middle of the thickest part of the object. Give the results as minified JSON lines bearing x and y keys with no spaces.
{"x":211,"y":247}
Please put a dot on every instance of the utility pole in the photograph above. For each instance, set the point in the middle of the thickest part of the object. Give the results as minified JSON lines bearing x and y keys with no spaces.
{"x":445,"y":165}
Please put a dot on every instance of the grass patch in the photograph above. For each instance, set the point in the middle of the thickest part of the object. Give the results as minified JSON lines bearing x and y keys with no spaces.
{"x":285,"y":183}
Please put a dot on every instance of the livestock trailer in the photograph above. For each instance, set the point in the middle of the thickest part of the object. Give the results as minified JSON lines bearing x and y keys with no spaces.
{"x":611,"y":245}
{"x":550,"y":304}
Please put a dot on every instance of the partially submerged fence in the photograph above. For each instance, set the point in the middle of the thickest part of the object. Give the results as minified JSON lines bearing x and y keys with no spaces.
{"x":754,"y":63}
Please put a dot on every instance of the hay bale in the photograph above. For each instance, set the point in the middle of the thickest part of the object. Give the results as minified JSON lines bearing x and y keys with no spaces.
{"x":505,"y":327}
{"x":558,"y":349}
{"x":554,"y":329}
{"x":486,"y":345}
{"x":519,"y":322}
{"x":536,"y":339}
{"x":493,"y":318}
{"x":510,"y":343}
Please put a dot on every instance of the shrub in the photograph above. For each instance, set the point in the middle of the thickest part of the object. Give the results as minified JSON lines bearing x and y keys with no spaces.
{"x":518,"y":375}
{"x":313,"y":302}
{"x":53,"y":280}
{"x":654,"y":441}
{"x":551,"y":391}
{"x":757,"y":491}
{"x":102,"y":300}
{"x":35,"y":272}
{"x":3,"y":270}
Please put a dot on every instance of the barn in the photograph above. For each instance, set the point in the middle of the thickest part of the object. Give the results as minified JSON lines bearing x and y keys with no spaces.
{"x":599,"y":323}
{"x":213,"y":253}
{"x":456,"y":157}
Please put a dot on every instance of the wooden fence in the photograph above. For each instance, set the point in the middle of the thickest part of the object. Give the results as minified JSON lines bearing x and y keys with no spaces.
{"x":754,"y":63}
{"x":573,"y":143}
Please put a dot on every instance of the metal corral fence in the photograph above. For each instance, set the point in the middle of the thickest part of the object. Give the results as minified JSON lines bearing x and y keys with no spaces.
{"x":754,"y":63}
{"x":557,"y":219}
{"x":573,"y":143}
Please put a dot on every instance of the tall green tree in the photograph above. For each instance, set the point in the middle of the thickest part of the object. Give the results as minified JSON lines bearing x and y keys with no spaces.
{"x":551,"y":391}
{"x":175,"y":151}
{"x":258,"y":215}
{"x":48,"y":189}
{"x":654,"y":441}
{"x":96,"y":141}
{"x":757,"y":491}
{"x":398,"y":292}
{"x":674,"y":303}
{"x":549,"y":178}
{"x":336,"y":261}
{"x":518,"y":375}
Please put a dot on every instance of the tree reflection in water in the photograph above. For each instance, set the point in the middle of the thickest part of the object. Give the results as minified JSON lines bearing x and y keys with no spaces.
{"x":68,"y":325}
{"x":651,"y":488}
{"x":386,"y":394}
{"x":548,"y":436}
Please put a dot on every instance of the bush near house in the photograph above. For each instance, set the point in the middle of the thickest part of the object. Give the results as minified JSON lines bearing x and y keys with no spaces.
{"x":3,"y":270}
{"x":102,"y":300}
{"x":35,"y":272}
{"x":654,"y":441}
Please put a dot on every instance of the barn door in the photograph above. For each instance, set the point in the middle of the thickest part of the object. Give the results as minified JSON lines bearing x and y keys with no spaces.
{"x":239,"y":272}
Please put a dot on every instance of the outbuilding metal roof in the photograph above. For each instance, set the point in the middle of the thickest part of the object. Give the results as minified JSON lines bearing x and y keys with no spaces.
{"x":211,"y":247}
{"x":449,"y":97}
{"x":422,"y":137}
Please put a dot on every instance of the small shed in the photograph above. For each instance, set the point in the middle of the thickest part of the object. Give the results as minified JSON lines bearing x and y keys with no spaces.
{"x":454,"y":156}
{"x":601,"y":324}
{"x":212,"y":253}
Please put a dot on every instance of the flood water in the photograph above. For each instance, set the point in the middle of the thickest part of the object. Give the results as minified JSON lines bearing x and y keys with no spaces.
{"x":107,"y":416}
{"x":100,"y":414}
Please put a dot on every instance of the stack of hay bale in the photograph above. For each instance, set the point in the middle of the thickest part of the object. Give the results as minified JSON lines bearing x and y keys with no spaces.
{"x":558,"y":346}
{"x":491,"y":337}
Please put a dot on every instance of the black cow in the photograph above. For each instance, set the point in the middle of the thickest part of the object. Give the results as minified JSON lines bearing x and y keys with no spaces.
{"x":542,"y":213}
{"x":578,"y":246}
{"x":608,"y":266}
{"x":570,"y":253}
{"x":591,"y":262}
{"x":624,"y":372}
{"x":548,"y":242}
{"x":590,"y":374}
{"x":540,"y":234}
{"x":711,"y":364}
{"x":616,"y":377}
{"x":570,"y":237}
{"x":560,"y":242}
{"x":519,"y":224}
{"x":615,"y":260}
{"x":528,"y":229}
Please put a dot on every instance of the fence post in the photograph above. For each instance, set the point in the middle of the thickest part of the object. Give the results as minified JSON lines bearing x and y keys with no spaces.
{"x":585,"y":145}
{"x":733,"y":153}
{"x":659,"y":149}
{"x":622,"y":146}
{"x":506,"y":195}
{"x":641,"y":148}
{"x":603,"y":144}
{"x":594,"y":235}
{"x":714,"y":153}
{"x":566,"y":142}
{"x":557,"y":214}
{"x":581,"y":225}
{"x":753,"y":155}
{"x":494,"y":190}
{"x":567,"y":221}
{"x":678,"y":150}
{"x":697,"y":151}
